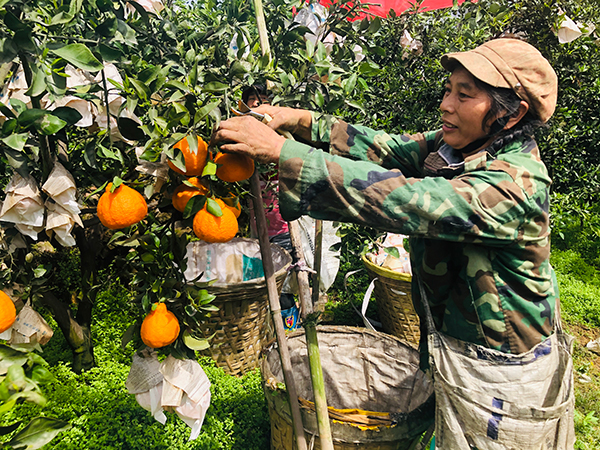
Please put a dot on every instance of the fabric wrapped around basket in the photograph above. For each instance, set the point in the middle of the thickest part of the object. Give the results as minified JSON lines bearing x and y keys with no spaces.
{"x":381,"y":400}
{"x":174,"y":385}
{"x":238,"y":331}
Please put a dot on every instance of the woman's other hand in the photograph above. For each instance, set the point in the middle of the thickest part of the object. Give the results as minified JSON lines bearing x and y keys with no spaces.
{"x":296,"y":121}
{"x":248,"y":136}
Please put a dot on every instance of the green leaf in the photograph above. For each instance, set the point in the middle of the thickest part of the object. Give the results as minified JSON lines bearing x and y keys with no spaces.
{"x":18,"y":105}
{"x":10,"y":428}
{"x":128,"y":335}
{"x":13,"y":23}
{"x":194,"y":205}
{"x":193,"y":74}
{"x":130,"y":129}
{"x":192,"y":141}
{"x":90,"y":154}
{"x":80,"y":56}
{"x":147,"y":257}
{"x":213,"y":207}
{"x":50,"y":124}
{"x":9,"y":126}
{"x":108,"y":28}
{"x":109,"y":54}
{"x":70,"y":115}
{"x":215,"y":87}
{"x":18,"y":161}
{"x":41,"y":375}
{"x":15,"y":376}
{"x":116,"y":182}
{"x":39,"y":271}
{"x":193,"y":343}
{"x":8,"y":50}
{"x":28,"y":117}
{"x":141,"y":89}
{"x":38,"y":432}
{"x":319,"y":99}
{"x":209,"y":169}
{"x":174,"y":84}
{"x":350,"y":84}
{"x":6,"y":111}
{"x":335,"y":104}
{"x":205,"y":110}
{"x":16,"y":141}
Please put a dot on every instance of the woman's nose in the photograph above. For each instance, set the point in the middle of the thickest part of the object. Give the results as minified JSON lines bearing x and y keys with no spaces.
{"x":447,"y":104}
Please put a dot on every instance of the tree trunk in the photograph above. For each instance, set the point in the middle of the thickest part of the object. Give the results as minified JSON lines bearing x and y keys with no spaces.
{"x":78,"y":336}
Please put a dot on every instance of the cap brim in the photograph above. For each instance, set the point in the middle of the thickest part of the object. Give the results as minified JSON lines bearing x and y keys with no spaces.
{"x":477,"y":65}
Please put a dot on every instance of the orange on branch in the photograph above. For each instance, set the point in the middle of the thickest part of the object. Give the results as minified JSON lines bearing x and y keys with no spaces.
{"x":194,"y":162}
{"x":121,"y":208}
{"x":234,"y":167}
{"x":160,"y":328}
{"x":184,"y":193}
{"x":210,"y":228}
{"x":8,"y":312}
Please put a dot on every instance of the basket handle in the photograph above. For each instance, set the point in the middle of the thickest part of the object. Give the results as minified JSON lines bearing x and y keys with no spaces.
{"x":370,"y":324}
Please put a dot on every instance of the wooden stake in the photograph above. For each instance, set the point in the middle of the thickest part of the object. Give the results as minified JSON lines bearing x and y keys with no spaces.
{"x":273,"y":295}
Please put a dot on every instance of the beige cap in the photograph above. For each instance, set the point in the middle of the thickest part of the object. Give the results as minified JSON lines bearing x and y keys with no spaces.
{"x":514,"y":64}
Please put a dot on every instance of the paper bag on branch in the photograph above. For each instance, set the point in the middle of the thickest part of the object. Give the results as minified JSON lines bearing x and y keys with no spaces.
{"x":30,"y":327}
{"x":175,"y":385}
{"x":23,"y":206}
{"x":60,"y":186}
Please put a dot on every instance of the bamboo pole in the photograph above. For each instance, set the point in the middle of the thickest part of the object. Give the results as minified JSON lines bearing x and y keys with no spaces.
{"x":273,"y":295}
{"x":309,"y":322}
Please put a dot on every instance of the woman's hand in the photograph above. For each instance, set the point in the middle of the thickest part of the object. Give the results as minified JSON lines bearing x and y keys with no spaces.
{"x":248,"y":136}
{"x":296,"y":121}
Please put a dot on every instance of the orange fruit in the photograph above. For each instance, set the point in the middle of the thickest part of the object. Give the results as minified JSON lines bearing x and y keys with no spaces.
{"x":184,"y":193}
{"x":8,"y":312}
{"x":194,"y":162}
{"x":210,"y":228}
{"x":234,"y":167}
{"x":160,"y":327}
{"x":233,"y":203}
{"x":121,"y":208}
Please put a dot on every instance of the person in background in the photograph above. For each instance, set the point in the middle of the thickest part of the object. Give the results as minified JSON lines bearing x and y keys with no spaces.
{"x":278,"y":230}
{"x":255,"y":95}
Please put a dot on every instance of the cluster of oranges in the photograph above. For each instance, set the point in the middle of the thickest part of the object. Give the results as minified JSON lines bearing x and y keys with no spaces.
{"x":121,"y":207}
{"x":208,"y":224}
{"x":217,"y":221}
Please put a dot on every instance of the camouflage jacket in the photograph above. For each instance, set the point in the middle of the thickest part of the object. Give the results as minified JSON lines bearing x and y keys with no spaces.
{"x":479,"y":240}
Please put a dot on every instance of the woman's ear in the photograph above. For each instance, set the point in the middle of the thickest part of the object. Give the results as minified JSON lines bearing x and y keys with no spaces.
{"x":517,"y":116}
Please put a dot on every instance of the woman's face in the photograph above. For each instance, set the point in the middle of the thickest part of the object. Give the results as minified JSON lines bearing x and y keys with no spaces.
{"x":463,"y":108}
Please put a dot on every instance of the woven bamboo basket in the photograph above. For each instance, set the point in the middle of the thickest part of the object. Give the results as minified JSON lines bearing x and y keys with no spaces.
{"x":393,"y":297}
{"x":378,"y":398}
{"x":239,"y":330}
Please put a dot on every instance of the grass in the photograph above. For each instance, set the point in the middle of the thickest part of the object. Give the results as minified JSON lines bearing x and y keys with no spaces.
{"x":104,"y":416}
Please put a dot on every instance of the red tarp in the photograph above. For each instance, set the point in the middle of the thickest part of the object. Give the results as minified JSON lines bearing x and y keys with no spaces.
{"x":399,"y":6}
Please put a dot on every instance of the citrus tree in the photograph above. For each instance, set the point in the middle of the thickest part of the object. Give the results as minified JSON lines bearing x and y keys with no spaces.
{"x":106,"y":110}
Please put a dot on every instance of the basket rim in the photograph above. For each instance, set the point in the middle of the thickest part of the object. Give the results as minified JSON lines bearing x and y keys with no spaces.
{"x":382,"y":271}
